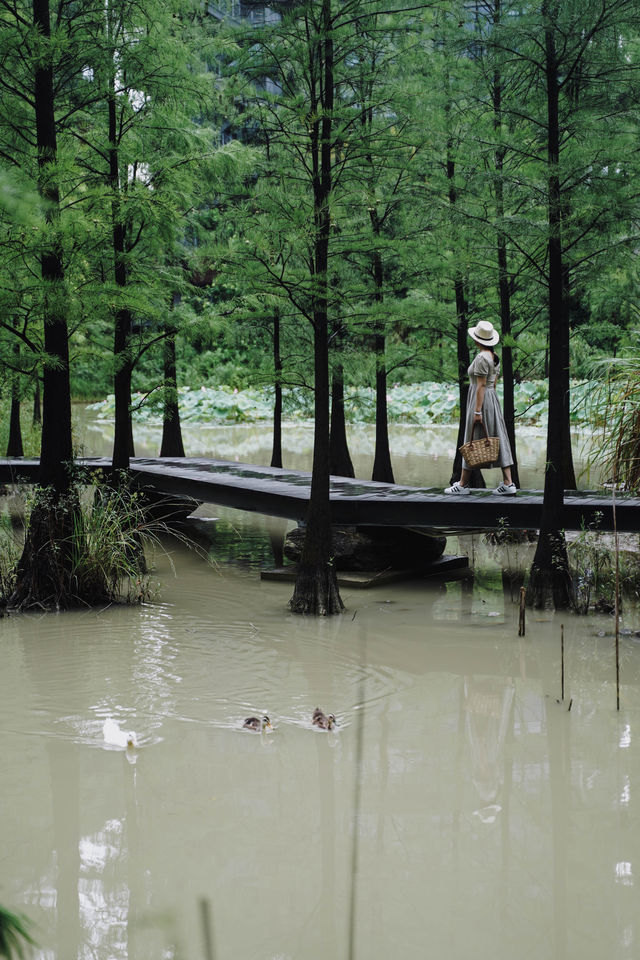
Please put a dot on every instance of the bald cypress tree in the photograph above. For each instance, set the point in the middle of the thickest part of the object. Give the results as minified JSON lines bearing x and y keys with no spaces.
{"x":44,"y":570}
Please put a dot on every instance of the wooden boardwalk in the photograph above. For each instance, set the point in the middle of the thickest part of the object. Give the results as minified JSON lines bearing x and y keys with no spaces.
{"x":285,"y":493}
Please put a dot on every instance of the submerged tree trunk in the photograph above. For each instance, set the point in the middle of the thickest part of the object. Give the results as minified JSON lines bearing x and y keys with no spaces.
{"x":550,"y":579}
{"x":316,"y":588}
{"x":172,"y":445}
{"x":45,"y":569}
{"x":340,"y":464}
{"x":276,"y":449}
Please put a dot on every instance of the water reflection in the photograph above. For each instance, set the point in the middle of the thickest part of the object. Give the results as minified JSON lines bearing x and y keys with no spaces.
{"x":421,"y":456}
{"x":493,"y":821}
{"x":488,"y":704}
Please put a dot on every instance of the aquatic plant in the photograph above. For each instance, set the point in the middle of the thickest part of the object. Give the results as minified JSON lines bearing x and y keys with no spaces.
{"x":417,"y":403}
{"x":591,"y":565}
{"x":593,"y":556}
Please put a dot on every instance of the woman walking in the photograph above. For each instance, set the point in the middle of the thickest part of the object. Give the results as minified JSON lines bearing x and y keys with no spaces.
{"x":483,"y":407}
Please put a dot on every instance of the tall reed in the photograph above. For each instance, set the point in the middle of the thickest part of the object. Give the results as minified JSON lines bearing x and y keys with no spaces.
{"x":616,"y":412}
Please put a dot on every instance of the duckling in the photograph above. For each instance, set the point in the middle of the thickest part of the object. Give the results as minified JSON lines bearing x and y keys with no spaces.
{"x":322,"y":721}
{"x":257,"y":723}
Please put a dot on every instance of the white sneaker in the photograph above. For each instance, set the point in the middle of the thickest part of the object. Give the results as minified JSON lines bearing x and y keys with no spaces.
{"x":457,"y":488}
{"x":506,"y":489}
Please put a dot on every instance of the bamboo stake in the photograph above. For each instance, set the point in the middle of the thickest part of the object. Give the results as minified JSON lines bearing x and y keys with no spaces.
{"x":617,"y":597}
{"x":521,"y":622}
{"x":351,"y":950}
{"x":562,"y":661}
{"x":207,"y":929}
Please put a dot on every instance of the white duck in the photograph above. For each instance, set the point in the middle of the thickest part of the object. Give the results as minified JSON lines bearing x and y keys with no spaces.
{"x":116,"y":737}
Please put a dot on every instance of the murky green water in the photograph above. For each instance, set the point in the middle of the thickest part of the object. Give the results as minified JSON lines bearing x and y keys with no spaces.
{"x":491,"y":820}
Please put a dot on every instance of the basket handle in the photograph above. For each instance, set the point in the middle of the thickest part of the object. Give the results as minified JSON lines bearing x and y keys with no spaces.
{"x":479,"y":423}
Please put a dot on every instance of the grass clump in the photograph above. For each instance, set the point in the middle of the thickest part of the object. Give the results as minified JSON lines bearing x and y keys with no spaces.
{"x":618,"y":452}
{"x":108,"y":553}
{"x":10,"y":544}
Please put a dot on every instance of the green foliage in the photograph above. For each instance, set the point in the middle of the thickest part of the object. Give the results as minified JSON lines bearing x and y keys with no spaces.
{"x":14,"y":935}
{"x":427,"y":177}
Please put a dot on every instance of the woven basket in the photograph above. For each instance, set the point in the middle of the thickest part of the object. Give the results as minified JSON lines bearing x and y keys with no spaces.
{"x":482,"y":452}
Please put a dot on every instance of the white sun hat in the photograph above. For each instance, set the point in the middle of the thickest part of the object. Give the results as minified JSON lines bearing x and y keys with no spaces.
{"x":484,"y":333}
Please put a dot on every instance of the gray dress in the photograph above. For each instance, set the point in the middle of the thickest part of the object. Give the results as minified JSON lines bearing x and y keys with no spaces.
{"x":483,"y":366}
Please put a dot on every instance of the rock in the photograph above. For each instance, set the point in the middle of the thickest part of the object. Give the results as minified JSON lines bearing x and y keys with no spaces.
{"x":374,"y":548}
{"x":604,"y":606}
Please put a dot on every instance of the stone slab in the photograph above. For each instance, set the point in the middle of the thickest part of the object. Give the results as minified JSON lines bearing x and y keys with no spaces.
{"x":447,"y":567}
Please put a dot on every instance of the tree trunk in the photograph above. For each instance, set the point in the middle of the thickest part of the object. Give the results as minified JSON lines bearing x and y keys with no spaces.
{"x":15,"y":447}
{"x":37,"y":413}
{"x":172,"y":445}
{"x":507,"y":355}
{"x":14,"y":443}
{"x":504,"y":291}
{"x":340,"y":464}
{"x":44,"y":571}
{"x":550,"y":579}
{"x":462,"y":344}
{"x":123,"y":447}
{"x":382,"y":468}
{"x":57,"y":445}
{"x":462,"y":341}
{"x":316,"y":588}
{"x":276,"y":450}
{"x":568,"y":468}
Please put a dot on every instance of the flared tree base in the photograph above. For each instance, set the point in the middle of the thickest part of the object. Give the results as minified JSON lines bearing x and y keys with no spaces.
{"x":76,"y":559}
{"x":44,"y":575}
{"x":316,"y":592}
{"x":550,"y":584}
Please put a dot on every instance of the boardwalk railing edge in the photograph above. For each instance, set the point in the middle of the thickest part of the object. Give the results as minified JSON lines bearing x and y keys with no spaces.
{"x":284,"y":493}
